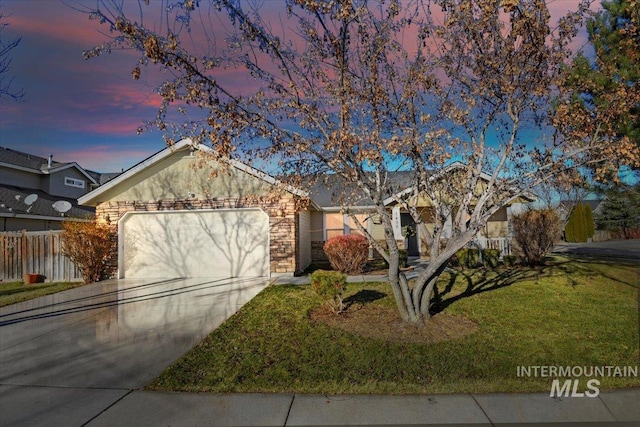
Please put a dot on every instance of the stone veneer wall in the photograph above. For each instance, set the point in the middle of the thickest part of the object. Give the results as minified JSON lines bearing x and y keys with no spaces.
{"x":282,"y":224}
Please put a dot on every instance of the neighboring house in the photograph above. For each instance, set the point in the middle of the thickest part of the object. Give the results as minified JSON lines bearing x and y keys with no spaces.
{"x":37,"y":194}
{"x":329,"y":221}
{"x":566,"y":206}
{"x":178,"y":214}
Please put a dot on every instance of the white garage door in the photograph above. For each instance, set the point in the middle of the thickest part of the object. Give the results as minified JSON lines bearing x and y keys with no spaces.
{"x":211,"y":243}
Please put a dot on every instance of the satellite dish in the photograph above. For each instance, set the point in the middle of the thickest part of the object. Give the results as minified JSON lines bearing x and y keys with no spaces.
{"x":17,"y":196}
{"x":61,"y":206}
{"x":30,"y":199}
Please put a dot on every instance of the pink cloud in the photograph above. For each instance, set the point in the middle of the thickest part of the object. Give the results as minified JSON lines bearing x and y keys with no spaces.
{"x":57,"y":26}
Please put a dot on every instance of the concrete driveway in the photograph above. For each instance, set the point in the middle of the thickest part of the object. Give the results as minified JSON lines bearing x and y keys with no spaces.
{"x":67,"y":357}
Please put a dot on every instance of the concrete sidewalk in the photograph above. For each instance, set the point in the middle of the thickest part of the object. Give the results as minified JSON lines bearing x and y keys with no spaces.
{"x":143,"y":408}
{"x":54,"y":406}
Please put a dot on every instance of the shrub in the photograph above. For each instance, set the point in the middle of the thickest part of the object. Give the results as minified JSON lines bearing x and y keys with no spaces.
{"x":535,"y":232}
{"x":491,"y":257}
{"x":403,"y":258}
{"x":330,"y":285}
{"x":347,"y":254}
{"x":468,"y":258}
{"x":509,"y":260}
{"x":88,"y":245}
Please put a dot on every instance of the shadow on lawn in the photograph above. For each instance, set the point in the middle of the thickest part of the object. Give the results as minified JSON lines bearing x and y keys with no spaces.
{"x":363,"y":297}
{"x":481,"y":280}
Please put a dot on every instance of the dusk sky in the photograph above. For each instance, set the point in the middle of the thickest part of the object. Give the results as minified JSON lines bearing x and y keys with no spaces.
{"x":80,"y":110}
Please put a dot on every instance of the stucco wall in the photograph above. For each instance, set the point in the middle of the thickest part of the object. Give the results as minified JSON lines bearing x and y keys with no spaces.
{"x":185,"y":176}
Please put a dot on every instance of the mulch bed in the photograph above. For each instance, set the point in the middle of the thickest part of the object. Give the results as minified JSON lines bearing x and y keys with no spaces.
{"x":384,"y":323}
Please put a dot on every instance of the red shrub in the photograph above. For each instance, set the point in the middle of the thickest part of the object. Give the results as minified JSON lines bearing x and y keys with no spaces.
{"x":347,"y":254}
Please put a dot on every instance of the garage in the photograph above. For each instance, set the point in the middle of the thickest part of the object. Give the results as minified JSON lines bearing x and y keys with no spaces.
{"x":201,"y":243}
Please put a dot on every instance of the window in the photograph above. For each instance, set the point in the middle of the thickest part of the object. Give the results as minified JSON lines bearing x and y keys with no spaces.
{"x":72,"y":182}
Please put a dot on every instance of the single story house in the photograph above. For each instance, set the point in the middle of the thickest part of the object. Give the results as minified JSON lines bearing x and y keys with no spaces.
{"x":178,"y":214}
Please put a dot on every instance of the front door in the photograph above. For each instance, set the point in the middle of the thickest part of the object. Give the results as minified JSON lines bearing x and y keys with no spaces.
{"x":411,"y":239}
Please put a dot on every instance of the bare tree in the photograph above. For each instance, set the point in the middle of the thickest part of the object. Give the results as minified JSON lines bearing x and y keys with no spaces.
{"x":6,"y":48}
{"x":357,"y":90}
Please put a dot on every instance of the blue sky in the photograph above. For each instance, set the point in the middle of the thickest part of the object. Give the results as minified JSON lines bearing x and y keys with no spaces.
{"x":79,"y":110}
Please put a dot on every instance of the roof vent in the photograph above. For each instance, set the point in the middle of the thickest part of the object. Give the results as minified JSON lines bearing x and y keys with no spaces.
{"x":50,"y":161}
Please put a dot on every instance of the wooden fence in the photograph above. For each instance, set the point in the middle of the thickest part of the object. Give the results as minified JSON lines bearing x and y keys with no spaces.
{"x":35,"y":252}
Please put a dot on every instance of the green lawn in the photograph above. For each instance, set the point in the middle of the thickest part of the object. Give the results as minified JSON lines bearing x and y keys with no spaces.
{"x":570,"y":313}
{"x":13,"y":292}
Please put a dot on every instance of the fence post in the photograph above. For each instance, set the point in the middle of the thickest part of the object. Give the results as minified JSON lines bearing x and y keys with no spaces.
{"x":50,"y":276}
{"x":25,"y":261}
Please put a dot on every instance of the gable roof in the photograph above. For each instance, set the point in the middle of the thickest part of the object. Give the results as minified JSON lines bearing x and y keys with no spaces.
{"x":329,"y":191}
{"x":567,"y":205}
{"x":163,"y":154}
{"x":39,"y":165}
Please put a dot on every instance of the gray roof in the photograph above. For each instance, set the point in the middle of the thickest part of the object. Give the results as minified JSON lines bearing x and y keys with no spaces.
{"x":106,"y":177}
{"x":12,"y":202}
{"x":331,"y":191}
{"x":567,"y":204}
{"x":18,"y":158}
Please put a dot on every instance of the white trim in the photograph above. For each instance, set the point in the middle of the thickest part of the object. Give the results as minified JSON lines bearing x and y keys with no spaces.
{"x":43,"y":217}
{"x":324,"y":226}
{"x":74,"y":182}
{"x":90,"y":197}
{"x":181,"y":211}
{"x":263,"y":176}
{"x":21,"y":168}
{"x":355,"y":209}
{"x":160,"y":155}
{"x":49,"y":171}
{"x":67,"y":166}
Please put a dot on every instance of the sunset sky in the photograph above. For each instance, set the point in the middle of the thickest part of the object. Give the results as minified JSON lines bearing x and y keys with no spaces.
{"x":80,"y":110}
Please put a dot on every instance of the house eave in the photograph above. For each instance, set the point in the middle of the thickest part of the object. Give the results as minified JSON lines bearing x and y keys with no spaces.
{"x":41,"y":217}
{"x":91,"y":198}
{"x":67,"y":166}
{"x":365,"y":208}
{"x":20,"y":168}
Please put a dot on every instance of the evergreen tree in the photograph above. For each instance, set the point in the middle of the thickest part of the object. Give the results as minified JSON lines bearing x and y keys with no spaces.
{"x":621,"y":211}
{"x":608,"y":83}
{"x":580,"y":226}
{"x":589,"y":222}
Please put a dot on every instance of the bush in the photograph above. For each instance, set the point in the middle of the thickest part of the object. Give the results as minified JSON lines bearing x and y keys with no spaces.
{"x":468,"y":258}
{"x":88,"y":245}
{"x":403,"y":258}
{"x":330,"y":285}
{"x":491,"y":257}
{"x":535,"y":232}
{"x":509,"y":260}
{"x":347,"y":254}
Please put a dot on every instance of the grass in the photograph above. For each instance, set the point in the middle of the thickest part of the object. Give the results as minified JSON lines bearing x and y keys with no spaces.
{"x":569,"y":313}
{"x":13,"y":292}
